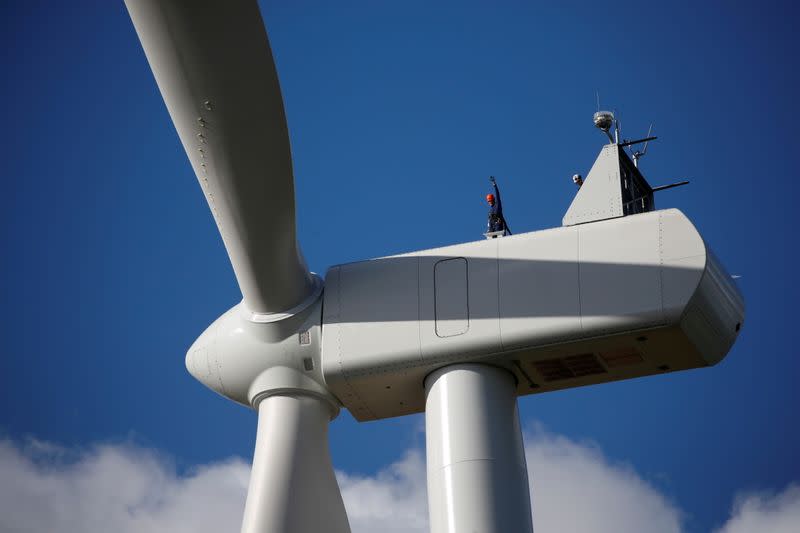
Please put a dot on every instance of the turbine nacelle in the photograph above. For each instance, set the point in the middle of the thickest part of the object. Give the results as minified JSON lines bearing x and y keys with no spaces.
{"x":566,"y":307}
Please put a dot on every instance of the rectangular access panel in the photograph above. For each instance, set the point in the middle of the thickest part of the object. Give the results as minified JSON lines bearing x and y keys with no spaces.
{"x":451,"y":297}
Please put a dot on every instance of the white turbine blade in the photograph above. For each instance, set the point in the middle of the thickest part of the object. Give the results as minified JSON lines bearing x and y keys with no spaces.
{"x":214,"y":67}
{"x":293,"y":488}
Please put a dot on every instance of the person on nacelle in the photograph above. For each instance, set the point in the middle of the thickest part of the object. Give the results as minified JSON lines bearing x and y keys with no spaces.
{"x":497,"y":221}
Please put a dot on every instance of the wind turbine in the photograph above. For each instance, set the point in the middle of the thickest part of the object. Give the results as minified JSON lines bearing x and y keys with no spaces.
{"x":619,"y":291}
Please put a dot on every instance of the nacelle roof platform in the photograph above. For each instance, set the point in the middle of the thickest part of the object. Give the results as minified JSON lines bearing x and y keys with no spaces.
{"x":564,"y":307}
{"x":613,"y":188}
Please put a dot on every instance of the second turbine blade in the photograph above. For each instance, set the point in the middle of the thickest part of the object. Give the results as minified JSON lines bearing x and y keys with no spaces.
{"x":293,"y":488}
{"x":214,"y":67}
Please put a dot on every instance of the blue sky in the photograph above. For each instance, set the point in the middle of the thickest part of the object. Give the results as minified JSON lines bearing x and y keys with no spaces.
{"x":397,"y":113}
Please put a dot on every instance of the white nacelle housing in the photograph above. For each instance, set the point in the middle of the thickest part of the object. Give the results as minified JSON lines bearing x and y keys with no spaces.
{"x":559,"y":308}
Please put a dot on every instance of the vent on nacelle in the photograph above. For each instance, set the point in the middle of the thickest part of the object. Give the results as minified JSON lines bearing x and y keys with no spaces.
{"x":574,"y":366}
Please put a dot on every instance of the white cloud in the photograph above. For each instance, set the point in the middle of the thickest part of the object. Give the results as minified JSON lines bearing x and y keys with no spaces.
{"x":773,"y":513}
{"x":392,"y":501}
{"x":575,"y":488}
{"x":117,"y":488}
{"x":124,"y":488}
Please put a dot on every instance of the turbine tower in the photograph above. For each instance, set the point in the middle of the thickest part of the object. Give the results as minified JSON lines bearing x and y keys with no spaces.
{"x":619,"y":291}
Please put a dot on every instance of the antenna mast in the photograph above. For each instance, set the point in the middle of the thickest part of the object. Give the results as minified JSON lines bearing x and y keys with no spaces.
{"x":637,"y":154}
